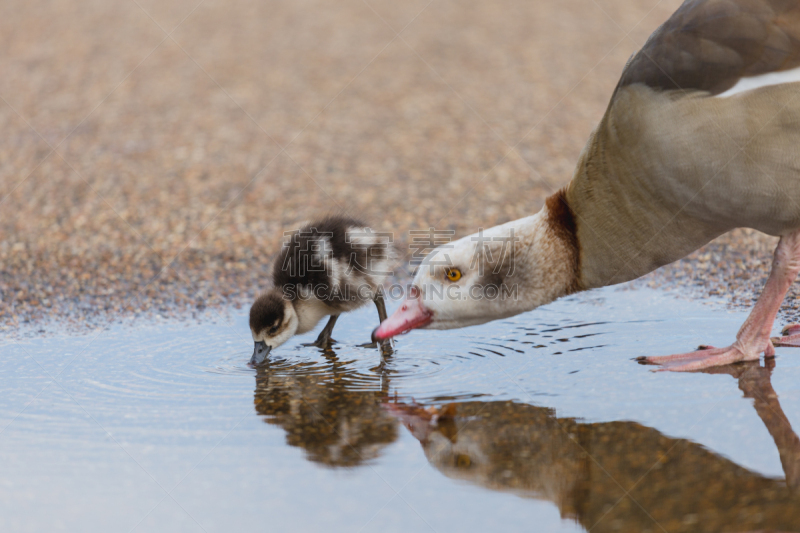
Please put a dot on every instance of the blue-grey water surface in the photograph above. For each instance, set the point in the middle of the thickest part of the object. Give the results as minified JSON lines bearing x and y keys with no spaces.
{"x":537,"y":423}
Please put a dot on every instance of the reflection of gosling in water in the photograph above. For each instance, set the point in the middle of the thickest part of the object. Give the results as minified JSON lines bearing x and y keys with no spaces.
{"x":326,"y":268}
{"x":327,"y":409}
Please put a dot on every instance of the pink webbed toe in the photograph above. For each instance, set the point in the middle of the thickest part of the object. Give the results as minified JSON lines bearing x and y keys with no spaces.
{"x":698,"y":360}
{"x":790,"y":336}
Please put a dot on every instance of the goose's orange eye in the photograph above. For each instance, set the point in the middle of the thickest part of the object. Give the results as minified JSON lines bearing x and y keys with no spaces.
{"x":453,"y":274}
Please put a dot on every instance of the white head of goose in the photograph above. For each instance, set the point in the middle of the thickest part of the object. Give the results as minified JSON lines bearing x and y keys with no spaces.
{"x":701,"y":136}
{"x":325,"y":268}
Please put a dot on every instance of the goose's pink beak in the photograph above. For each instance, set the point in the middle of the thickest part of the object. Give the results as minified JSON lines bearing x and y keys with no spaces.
{"x":411,"y":315}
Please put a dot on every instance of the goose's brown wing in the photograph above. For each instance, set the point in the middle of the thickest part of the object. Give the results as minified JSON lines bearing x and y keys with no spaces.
{"x":708,"y":45}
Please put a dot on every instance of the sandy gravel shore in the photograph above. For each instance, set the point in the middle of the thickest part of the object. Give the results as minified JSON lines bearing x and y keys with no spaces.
{"x":153,"y":152}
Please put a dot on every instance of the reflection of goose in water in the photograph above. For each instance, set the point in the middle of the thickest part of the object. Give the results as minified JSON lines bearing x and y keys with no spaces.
{"x":585,"y":469}
{"x":334,"y":414}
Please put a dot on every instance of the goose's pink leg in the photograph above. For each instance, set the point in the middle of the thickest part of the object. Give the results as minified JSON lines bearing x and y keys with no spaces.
{"x":753,"y":338}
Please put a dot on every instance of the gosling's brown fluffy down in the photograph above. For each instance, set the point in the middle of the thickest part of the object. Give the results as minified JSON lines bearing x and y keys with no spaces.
{"x":326,"y":268}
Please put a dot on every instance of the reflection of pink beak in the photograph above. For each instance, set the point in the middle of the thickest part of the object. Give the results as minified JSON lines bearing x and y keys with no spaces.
{"x":419,"y":421}
{"x":412,"y":314}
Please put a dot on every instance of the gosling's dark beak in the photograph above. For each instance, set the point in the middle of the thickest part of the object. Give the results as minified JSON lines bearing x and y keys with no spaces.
{"x":260,"y":353}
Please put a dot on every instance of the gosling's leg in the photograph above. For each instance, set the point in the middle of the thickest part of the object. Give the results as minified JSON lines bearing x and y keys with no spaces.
{"x":381,"y":305}
{"x":386,"y":345}
{"x":324,"y":340}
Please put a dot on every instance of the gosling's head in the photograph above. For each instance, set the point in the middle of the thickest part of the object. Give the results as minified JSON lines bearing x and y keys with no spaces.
{"x":273,"y":321}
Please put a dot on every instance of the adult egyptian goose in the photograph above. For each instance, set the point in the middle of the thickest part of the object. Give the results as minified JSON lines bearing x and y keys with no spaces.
{"x":325,"y":268}
{"x":702,"y":135}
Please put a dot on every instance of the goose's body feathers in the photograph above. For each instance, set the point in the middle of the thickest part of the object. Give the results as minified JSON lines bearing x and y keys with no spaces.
{"x":665,"y":172}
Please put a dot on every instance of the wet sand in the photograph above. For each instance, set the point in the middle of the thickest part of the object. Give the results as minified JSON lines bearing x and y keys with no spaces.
{"x":154,"y":152}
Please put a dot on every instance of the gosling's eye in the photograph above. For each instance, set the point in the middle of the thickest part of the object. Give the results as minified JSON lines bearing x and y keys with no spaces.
{"x":273,"y":330}
{"x":453,"y":274}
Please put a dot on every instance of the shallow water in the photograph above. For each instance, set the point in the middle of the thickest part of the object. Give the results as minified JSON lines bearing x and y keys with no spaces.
{"x":537,"y":423}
